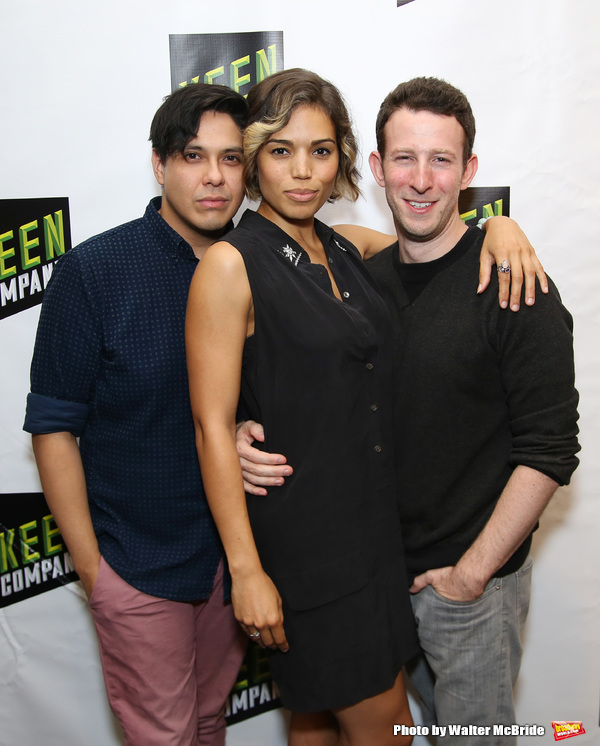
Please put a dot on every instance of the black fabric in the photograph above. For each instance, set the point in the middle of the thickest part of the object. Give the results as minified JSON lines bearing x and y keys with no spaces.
{"x":478,"y":391}
{"x":317,"y":374}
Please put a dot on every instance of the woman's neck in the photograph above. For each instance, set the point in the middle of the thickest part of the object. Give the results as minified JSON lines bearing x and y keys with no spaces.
{"x":304,"y":234}
{"x":302,"y":231}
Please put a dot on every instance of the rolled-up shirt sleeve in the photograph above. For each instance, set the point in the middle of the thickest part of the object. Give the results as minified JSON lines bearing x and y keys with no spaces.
{"x":67,"y":352}
{"x":47,"y":415}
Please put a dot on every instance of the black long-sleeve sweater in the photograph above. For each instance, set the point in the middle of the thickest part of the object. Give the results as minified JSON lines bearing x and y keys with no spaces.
{"x":478,"y":391}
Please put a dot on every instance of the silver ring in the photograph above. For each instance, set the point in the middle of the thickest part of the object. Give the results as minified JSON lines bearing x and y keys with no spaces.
{"x":254,"y":635}
{"x":504,"y":266}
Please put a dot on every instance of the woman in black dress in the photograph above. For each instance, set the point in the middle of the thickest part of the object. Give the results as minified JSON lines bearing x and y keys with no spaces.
{"x":284,"y":313}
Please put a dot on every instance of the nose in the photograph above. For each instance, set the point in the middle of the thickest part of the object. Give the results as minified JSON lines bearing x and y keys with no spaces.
{"x":213,"y":173}
{"x":300,"y":165}
{"x":421,"y":179}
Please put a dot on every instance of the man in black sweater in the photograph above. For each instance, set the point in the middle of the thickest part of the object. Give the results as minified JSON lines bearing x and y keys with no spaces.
{"x":485,"y":418}
{"x":485,"y":414}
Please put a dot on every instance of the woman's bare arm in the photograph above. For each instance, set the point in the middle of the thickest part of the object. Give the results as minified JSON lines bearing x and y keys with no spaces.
{"x":366,"y":240}
{"x":504,"y":240}
{"x":219,"y":317}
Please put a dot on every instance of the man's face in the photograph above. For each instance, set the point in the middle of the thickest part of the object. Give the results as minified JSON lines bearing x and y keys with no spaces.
{"x":202,"y":187}
{"x":423,"y":173}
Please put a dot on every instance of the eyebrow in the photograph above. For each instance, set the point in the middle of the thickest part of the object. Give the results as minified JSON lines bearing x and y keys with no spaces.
{"x":290,"y":142}
{"x":442,"y":151}
{"x":200,"y":148}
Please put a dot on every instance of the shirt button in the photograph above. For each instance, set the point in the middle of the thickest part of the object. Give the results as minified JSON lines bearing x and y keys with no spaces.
{"x":373,"y":407}
{"x":369,"y":366}
{"x":346,"y":294}
{"x":378,"y":449}
{"x":330,"y":260}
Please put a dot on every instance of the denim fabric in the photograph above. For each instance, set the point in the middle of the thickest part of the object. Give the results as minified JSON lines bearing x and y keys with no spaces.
{"x":473,"y":649}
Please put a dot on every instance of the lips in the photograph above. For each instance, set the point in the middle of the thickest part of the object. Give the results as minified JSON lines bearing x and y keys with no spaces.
{"x":419,"y":206}
{"x":301,"y":195}
{"x":212,"y":201}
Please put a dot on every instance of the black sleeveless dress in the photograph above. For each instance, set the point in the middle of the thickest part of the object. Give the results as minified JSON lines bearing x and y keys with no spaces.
{"x":317,"y":374}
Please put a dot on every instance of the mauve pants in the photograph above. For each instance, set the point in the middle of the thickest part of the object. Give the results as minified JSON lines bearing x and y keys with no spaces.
{"x":168,"y":666}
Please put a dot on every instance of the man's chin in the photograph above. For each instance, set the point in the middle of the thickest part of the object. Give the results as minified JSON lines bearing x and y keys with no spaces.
{"x":214,"y":230}
{"x":420,"y":237}
{"x":418,"y":234}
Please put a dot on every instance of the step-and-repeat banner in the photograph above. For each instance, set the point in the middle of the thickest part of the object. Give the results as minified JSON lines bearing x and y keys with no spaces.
{"x":79,"y":85}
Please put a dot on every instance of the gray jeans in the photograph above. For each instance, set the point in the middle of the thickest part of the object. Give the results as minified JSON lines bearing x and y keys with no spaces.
{"x":472,"y":655}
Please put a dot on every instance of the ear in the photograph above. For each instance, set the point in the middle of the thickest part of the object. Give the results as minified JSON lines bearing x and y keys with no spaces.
{"x":158,"y":167}
{"x":376,"y":164}
{"x":469,"y":172}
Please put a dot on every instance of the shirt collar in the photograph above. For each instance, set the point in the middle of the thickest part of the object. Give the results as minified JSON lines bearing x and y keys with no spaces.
{"x":284,"y":244}
{"x":419,"y":269}
{"x":168,"y":238}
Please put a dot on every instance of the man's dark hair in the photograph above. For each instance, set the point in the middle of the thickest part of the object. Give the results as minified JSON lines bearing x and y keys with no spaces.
{"x":428,"y":94}
{"x":177,"y":120}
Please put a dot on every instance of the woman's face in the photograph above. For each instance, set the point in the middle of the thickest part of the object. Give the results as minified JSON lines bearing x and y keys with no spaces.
{"x":297,"y":166}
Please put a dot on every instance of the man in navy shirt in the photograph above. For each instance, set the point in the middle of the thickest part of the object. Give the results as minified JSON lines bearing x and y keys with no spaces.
{"x":109,"y":369}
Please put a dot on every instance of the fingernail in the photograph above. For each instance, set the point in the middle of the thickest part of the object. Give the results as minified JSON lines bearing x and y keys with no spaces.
{"x":504,"y":304}
{"x":514,"y":307}
{"x":280,"y":461}
{"x":286,"y":472}
{"x":479,"y":288}
{"x":529,"y":301}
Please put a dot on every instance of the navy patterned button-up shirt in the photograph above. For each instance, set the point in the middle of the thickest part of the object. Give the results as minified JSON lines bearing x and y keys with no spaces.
{"x":109,"y":366}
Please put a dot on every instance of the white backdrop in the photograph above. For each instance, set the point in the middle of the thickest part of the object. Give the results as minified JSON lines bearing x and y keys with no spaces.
{"x":79,"y":83}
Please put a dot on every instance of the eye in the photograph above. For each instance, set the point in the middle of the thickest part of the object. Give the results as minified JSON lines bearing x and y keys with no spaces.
{"x":191,"y":156}
{"x":322,"y":151}
{"x":279,"y":151}
{"x":232,"y":158}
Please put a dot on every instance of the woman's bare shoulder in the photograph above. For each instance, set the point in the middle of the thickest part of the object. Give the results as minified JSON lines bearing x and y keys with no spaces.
{"x":366,"y":240}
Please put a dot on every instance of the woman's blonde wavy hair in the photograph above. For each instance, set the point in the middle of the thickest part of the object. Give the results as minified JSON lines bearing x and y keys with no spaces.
{"x":271,"y":103}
